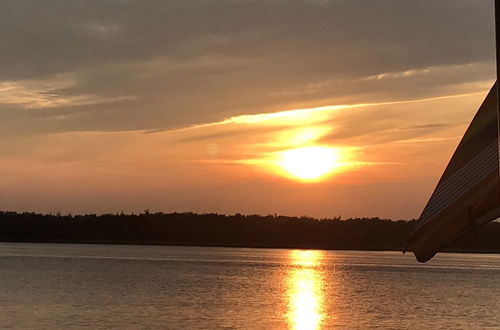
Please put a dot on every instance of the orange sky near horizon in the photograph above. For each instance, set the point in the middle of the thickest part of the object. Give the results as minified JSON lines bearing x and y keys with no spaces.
{"x":312,"y":107}
{"x":388,"y":164}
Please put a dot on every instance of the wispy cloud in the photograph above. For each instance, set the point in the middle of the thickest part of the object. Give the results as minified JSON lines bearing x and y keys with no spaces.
{"x":433,"y":70}
{"x":430,"y":139}
{"x":43,"y":94}
{"x":319,"y":114}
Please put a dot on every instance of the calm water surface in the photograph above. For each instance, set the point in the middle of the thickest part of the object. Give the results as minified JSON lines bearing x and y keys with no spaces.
{"x":63,"y":286}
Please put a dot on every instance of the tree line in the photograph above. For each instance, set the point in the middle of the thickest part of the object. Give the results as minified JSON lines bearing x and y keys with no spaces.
{"x":270,"y":231}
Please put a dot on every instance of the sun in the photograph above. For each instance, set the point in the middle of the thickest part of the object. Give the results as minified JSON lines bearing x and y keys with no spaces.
{"x":309,"y":163}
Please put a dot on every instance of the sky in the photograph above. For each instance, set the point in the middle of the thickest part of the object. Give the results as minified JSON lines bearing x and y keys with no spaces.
{"x":322,"y":108}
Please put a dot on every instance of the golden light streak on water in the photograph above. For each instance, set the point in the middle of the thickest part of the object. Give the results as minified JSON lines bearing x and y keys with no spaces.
{"x":305,"y":291}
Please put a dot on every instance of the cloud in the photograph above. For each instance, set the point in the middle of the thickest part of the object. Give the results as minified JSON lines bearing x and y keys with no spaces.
{"x":119,"y":65}
{"x":421,"y":127}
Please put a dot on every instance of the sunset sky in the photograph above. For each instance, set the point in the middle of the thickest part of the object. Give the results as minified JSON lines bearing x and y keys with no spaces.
{"x":318,"y":108}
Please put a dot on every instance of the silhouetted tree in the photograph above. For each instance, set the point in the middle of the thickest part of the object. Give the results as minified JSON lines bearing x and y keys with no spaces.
{"x":226,"y":230}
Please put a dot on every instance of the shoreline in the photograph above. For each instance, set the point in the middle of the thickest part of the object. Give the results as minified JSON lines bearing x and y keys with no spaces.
{"x":159,"y":244}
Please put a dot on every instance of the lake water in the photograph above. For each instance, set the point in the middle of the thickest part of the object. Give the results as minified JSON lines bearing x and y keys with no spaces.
{"x":64,"y":286}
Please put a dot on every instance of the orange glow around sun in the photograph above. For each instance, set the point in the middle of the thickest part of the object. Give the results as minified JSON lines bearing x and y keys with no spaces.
{"x":296,"y":151}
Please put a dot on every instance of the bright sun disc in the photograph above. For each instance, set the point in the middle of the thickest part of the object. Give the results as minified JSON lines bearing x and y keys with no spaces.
{"x":309,"y":163}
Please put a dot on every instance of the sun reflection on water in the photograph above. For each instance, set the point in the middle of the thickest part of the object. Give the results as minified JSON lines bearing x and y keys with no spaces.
{"x":305,"y":291}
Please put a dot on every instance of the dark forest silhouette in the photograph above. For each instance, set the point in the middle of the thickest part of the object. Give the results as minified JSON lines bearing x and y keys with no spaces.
{"x":234,"y":230}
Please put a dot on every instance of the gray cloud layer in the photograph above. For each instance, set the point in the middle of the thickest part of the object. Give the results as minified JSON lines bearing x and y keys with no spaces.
{"x":120,"y":65}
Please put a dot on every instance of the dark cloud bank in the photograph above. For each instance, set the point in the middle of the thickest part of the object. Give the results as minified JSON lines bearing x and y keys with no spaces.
{"x":161,"y":64}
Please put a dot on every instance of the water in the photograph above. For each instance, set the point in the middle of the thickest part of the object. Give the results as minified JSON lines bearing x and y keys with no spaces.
{"x":64,"y":286}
